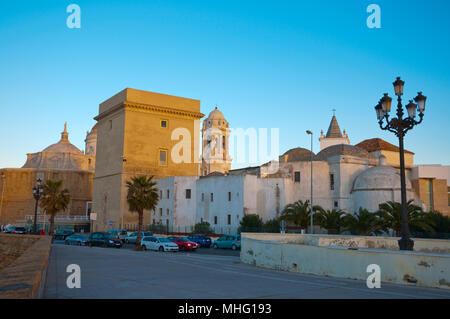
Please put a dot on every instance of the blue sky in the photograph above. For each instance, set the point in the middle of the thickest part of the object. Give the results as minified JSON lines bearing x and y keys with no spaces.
{"x":282,"y":64}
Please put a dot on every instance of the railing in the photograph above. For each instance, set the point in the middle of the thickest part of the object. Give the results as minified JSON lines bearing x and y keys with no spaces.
{"x":40,"y":218}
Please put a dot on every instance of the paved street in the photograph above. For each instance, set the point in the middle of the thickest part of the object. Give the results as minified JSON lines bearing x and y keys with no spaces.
{"x":124,"y":273}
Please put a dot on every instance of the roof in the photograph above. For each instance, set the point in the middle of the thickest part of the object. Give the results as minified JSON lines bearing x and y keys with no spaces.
{"x":342,"y":149}
{"x":377,"y":144}
{"x":216,"y":115}
{"x":296,"y":154}
{"x":333,"y":129}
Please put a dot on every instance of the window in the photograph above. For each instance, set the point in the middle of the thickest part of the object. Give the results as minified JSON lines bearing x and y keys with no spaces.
{"x":162,"y":157}
{"x":168,"y":194}
{"x":160,"y":194}
{"x":212,"y":197}
{"x":335,"y":204}
{"x":160,"y":211}
{"x":332,"y":181}
{"x":188,"y":194}
{"x":297,"y":177}
{"x":110,"y":124}
{"x":201,"y":221}
{"x":203,"y":197}
{"x":167,"y":211}
{"x":229,"y":196}
{"x":163,"y":123}
{"x":215,"y":220}
{"x":223,"y":142}
{"x":229,"y":219}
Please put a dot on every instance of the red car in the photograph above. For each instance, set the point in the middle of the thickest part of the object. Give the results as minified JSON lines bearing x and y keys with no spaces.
{"x":184,"y":243}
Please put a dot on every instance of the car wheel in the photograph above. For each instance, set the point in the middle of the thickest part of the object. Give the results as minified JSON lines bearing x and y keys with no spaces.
{"x":161,"y":248}
{"x":215,"y":246}
{"x":104,"y":245}
{"x":90,"y":245}
{"x":144,"y":247}
{"x":126,"y":241}
{"x":66,"y":243}
{"x":234,"y":247}
{"x":79,"y":243}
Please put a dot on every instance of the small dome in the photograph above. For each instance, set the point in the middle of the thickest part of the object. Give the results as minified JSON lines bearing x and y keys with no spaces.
{"x":381,"y":177}
{"x":297,"y":154}
{"x":342,"y":149}
{"x":216,"y":115}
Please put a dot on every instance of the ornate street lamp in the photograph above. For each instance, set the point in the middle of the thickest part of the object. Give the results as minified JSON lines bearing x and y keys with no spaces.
{"x":399,"y":126}
{"x":311,"y":204}
{"x":37,"y":194}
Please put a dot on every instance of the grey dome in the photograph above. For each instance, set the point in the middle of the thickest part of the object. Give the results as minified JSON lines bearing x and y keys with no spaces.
{"x":342,"y":149}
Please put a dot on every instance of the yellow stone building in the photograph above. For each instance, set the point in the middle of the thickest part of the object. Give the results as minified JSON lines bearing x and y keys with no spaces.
{"x":59,"y":161}
{"x":140,"y":133}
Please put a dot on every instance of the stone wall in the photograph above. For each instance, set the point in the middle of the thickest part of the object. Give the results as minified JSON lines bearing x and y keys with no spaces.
{"x":349,"y":256}
{"x":23,"y":274}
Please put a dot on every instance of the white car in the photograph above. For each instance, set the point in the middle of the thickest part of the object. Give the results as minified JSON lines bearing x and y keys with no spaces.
{"x":158,"y":243}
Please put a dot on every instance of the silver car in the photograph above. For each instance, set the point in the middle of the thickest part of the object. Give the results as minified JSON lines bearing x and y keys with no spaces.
{"x":158,"y":243}
{"x":131,"y":239}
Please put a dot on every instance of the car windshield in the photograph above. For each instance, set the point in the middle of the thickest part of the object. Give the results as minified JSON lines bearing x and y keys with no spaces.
{"x":184,"y":239}
{"x":164,"y":240}
{"x":147,"y":233}
{"x":20,"y":228}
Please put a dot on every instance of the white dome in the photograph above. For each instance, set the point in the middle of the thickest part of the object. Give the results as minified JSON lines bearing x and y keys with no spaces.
{"x":381,"y":177}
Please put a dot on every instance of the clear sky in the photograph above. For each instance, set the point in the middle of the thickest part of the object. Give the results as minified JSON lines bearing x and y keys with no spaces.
{"x":282,"y":64}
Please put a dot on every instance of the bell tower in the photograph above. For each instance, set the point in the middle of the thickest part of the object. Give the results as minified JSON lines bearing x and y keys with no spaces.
{"x":215,"y":144}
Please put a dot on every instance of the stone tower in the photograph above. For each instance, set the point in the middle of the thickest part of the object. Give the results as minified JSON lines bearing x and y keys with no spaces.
{"x":215,"y":144}
{"x":334,"y":135}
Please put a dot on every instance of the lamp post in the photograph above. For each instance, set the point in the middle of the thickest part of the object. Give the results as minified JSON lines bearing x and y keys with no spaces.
{"x":311,"y":203}
{"x":37,"y":193}
{"x":400,"y":126}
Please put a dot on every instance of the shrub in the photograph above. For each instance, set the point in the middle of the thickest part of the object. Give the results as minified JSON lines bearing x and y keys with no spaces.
{"x":251,"y":223}
{"x":203,"y":228}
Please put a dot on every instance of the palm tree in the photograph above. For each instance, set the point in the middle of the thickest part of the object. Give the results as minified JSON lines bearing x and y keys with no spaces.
{"x":142,"y":194}
{"x":391,"y":213}
{"x":331,"y":220}
{"x":54,"y":199}
{"x":363,"y":223}
{"x":297,"y":213}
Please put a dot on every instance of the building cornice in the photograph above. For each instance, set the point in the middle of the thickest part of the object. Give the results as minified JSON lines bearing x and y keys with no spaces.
{"x":139,"y":107}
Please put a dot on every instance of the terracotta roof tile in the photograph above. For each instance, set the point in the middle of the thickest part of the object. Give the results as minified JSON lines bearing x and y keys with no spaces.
{"x":377,"y":144}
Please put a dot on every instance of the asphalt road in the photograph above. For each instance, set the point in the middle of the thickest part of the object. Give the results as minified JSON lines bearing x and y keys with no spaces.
{"x":124,"y":273}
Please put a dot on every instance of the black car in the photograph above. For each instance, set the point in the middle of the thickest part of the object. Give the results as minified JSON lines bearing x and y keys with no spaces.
{"x":103,"y":240}
{"x":62,"y":234}
{"x":202,"y":240}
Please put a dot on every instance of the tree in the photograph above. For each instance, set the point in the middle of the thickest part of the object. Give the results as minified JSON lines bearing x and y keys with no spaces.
{"x":142,"y":194}
{"x":363,"y":223}
{"x":272,"y":226}
{"x":418,"y":220}
{"x":297,"y":213}
{"x":203,"y":228}
{"x":251,"y":223}
{"x":331,"y":220}
{"x":54,"y":199}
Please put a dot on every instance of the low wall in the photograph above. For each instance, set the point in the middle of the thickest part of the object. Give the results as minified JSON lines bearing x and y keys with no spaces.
{"x":24,"y":276}
{"x":322,"y":255}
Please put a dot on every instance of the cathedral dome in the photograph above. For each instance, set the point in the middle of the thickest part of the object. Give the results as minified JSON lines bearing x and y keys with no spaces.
{"x":63,"y":146}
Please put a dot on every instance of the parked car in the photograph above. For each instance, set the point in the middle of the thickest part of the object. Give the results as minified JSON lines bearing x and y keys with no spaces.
{"x":131,"y":238}
{"x":76,"y":239}
{"x":228,"y":241}
{"x":202,"y":240}
{"x":62,"y":234}
{"x":16,"y":230}
{"x":158,"y":243}
{"x":118,"y":233}
{"x":103,"y":240}
{"x":184,"y":243}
